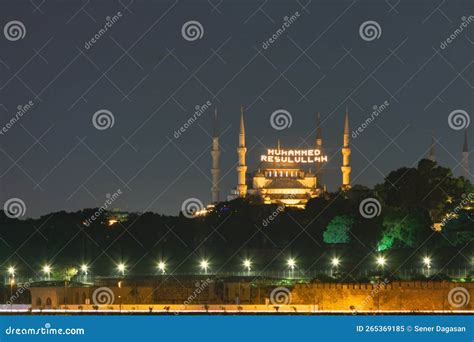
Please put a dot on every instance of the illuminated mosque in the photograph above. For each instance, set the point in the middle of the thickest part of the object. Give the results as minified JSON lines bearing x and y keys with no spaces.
{"x":288,"y":177}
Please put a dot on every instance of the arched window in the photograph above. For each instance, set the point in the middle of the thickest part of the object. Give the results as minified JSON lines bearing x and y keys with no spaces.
{"x":48,"y":301}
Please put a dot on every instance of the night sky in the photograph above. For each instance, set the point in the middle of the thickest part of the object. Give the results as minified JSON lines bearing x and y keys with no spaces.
{"x":151,"y":79}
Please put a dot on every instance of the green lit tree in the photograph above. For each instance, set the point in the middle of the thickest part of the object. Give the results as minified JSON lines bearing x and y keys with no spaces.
{"x":337,"y":230}
{"x":403,"y":228}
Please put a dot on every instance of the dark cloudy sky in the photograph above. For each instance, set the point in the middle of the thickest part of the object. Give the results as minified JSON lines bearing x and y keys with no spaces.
{"x":150,"y":78}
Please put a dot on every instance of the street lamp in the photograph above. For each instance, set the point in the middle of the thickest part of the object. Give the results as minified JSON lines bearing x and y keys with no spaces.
{"x":162,"y":267}
{"x":119,"y":285}
{"x":47,"y":271}
{"x":204,"y":264}
{"x":381,"y":261}
{"x":335,"y":262}
{"x":11,"y":271}
{"x":248,"y":265}
{"x":427,"y":262}
{"x":84,"y":269}
{"x":291,"y":264}
{"x":121,"y":268}
{"x":12,"y":282}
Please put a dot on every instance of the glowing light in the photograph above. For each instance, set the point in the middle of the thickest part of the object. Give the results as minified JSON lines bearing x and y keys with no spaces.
{"x":111,"y":222}
{"x":162,"y":266}
{"x":204,"y":264}
{"x":248,"y":264}
{"x":427,"y":261}
{"x":335,"y":262}
{"x":121,"y":267}
{"x":47,"y":270}
{"x":291,"y":263}
{"x":381,"y":261}
{"x":84,"y":269}
{"x":11,"y":271}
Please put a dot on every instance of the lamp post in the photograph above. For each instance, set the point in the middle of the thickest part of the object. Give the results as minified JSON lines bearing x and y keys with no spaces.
{"x":12,"y":282}
{"x":291,"y":265}
{"x":119,"y":284}
{"x":47,"y":271}
{"x":335,"y":262}
{"x":248,"y":265}
{"x":381,"y":261}
{"x":121,"y":268}
{"x":162,"y":267}
{"x":11,"y":272}
{"x":427,"y":263}
{"x":204,"y":264}
{"x":85,"y":271}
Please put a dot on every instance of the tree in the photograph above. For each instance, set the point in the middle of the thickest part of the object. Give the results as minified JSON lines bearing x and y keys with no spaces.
{"x":403,"y":228}
{"x":337,"y":230}
{"x":460,"y":230}
{"x":428,"y":187}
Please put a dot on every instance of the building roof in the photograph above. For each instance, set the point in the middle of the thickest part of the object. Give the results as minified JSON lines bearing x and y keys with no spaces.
{"x":285,"y":183}
{"x":283,"y":166}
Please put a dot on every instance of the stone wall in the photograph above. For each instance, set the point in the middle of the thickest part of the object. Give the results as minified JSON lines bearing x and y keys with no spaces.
{"x":382,"y":296}
{"x":397,"y":296}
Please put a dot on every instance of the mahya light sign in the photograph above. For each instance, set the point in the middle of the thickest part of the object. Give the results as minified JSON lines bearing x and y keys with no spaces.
{"x":293,"y":156}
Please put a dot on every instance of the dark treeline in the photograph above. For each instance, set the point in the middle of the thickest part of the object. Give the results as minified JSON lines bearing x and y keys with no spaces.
{"x":412,"y":201}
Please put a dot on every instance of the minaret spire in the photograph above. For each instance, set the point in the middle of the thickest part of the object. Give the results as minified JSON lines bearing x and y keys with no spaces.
{"x":465,"y":158}
{"x":241,"y":151}
{"x":431,"y":154}
{"x":346,"y":152}
{"x":215,"y":153}
{"x":319,"y":146}
{"x":319,"y":139}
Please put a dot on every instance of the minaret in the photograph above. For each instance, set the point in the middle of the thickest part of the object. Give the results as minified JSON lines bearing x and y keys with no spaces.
{"x":319,"y":139}
{"x":319,"y":146}
{"x":241,"y":151}
{"x":465,"y":158}
{"x":215,"y":153}
{"x":431,"y":153}
{"x":346,"y":152}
